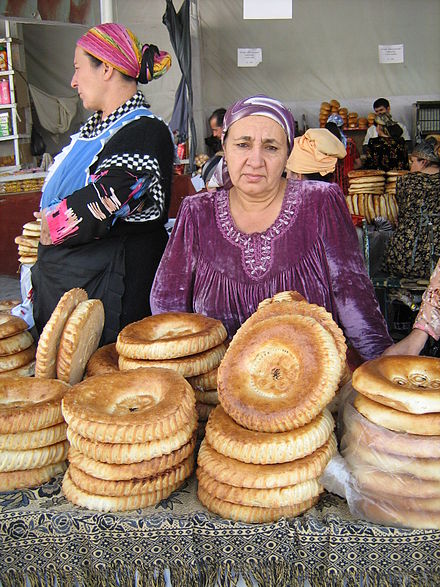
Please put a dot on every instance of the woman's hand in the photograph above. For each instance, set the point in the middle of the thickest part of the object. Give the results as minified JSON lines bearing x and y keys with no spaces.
{"x":45,"y":238}
{"x":410,"y":345}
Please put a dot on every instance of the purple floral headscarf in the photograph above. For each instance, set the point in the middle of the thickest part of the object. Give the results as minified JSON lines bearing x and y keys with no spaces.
{"x":259,"y":105}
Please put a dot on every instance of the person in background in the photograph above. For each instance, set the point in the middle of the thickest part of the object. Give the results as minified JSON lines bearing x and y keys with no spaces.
{"x":335,"y":124}
{"x":214,"y":142}
{"x":417,"y":235}
{"x":388,"y":150}
{"x":315,"y":155}
{"x":382,"y":106}
{"x":106,"y":197}
{"x":427,"y":322}
{"x":262,"y":233}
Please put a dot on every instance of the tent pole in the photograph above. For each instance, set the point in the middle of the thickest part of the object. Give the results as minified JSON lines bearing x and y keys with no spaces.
{"x":106,"y":7}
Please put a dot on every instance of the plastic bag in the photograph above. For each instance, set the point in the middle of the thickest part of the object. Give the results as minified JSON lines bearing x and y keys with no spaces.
{"x":25,"y":309}
{"x":390,"y":478}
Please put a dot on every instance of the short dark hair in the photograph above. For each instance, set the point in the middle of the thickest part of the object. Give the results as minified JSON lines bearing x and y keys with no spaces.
{"x":219,"y":115}
{"x":381,"y":102}
{"x":333,"y":128}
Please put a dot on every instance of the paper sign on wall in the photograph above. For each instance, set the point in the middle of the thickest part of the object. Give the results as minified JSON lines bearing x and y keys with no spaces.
{"x":255,"y":9}
{"x":391,"y":54}
{"x":249,"y":57}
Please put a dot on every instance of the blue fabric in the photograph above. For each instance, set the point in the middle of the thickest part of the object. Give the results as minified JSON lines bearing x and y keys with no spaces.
{"x":73,"y":171}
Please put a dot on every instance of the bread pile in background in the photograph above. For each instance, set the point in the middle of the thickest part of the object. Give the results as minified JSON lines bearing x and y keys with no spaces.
{"x":191,"y":344}
{"x":28,"y":242}
{"x":33,"y":445}
{"x":369,"y":197}
{"x":200,"y":161}
{"x":270,"y":438}
{"x":70,"y":337}
{"x":17,"y":348}
{"x":351,"y":119}
{"x":390,"y":185}
{"x":392,"y":440}
{"x":131,"y":438}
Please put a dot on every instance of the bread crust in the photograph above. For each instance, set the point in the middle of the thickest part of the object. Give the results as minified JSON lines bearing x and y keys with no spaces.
{"x":388,"y":514}
{"x":49,"y":340}
{"x":267,"y":498}
{"x":239,"y":474}
{"x":279,"y":372}
{"x":170,"y":335}
{"x":34,"y":458}
{"x":16,"y":343}
{"x":119,"y":453}
{"x":204,"y":381}
{"x":28,"y":404}
{"x":79,"y":340}
{"x":129,"y":407}
{"x":33,"y":439}
{"x":253,"y":514}
{"x":187,"y":366}
{"x":103,"y":360}
{"x":11,"y":480}
{"x":17,"y":360}
{"x":232,"y":440}
{"x":124,"y":472}
{"x":105,"y":503}
{"x":382,"y":415}
{"x":409,"y":384}
{"x":158,"y":482}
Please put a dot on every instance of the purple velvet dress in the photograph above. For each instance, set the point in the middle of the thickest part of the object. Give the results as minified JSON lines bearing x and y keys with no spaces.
{"x":212,"y":268}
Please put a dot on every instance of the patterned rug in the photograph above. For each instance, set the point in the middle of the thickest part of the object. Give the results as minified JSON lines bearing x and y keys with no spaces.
{"x":45,"y":540}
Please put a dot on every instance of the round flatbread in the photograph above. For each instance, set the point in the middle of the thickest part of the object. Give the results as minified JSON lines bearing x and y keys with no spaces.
{"x":34,"y":458}
{"x":205,"y":381}
{"x":159,"y":482}
{"x":279,"y":373}
{"x":169,"y":336}
{"x":239,"y":474}
{"x":48,"y":344}
{"x":186,"y":366}
{"x":140,"y":470}
{"x":79,"y":340}
{"x":105,"y":503}
{"x":17,"y":360}
{"x":232,"y":440}
{"x":103,"y":361}
{"x":27,"y":370}
{"x":10,"y":325}
{"x":16,"y":343}
{"x":130,"y":407}
{"x":409,"y":384}
{"x":424,"y":424}
{"x":29,"y":403}
{"x":12,"y":480}
{"x":7,"y":305}
{"x":251,"y":515}
{"x":34,"y":439}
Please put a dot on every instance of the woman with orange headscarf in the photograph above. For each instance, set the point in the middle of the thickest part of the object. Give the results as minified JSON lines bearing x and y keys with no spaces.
{"x":106,"y":197}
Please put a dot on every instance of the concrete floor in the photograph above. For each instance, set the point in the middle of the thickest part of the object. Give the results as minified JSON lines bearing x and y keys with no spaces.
{"x":10,"y":287}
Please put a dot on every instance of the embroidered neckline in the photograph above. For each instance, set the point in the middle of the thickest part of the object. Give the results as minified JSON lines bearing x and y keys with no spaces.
{"x":256,"y":248}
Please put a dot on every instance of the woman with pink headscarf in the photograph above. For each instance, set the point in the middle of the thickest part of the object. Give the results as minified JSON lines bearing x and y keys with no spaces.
{"x":105,"y":200}
{"x":261,"y":234}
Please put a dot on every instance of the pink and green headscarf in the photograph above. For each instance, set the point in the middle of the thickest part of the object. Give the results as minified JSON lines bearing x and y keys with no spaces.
{"x":116,"y":45}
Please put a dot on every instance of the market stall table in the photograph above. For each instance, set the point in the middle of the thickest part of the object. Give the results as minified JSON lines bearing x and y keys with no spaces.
{"x":44,"y":539}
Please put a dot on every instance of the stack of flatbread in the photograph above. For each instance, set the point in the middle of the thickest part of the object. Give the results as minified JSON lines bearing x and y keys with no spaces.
{"x":270,"y":438}
{"x":132,"y":438}
{"x":364,"y":190}
{"x":17,"y":348}
{"x":391,"y":440}
{"x":28,"y":242}
{"x":191,"y":344}
{"x":70,"y":337}
{"x":33,"y":445}
{"x":391,"y":179}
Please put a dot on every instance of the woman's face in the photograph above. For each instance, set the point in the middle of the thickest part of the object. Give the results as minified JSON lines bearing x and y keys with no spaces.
{"x":87,"y":81}
{"x":256,"y":154}
{"x":416,"y":164}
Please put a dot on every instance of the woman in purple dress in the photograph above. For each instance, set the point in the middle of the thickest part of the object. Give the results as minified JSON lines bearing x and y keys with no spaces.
{"x":261,"y":234}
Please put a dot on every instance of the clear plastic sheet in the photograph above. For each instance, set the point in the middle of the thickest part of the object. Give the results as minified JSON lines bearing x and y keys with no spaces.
{"x":390,"y":478}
